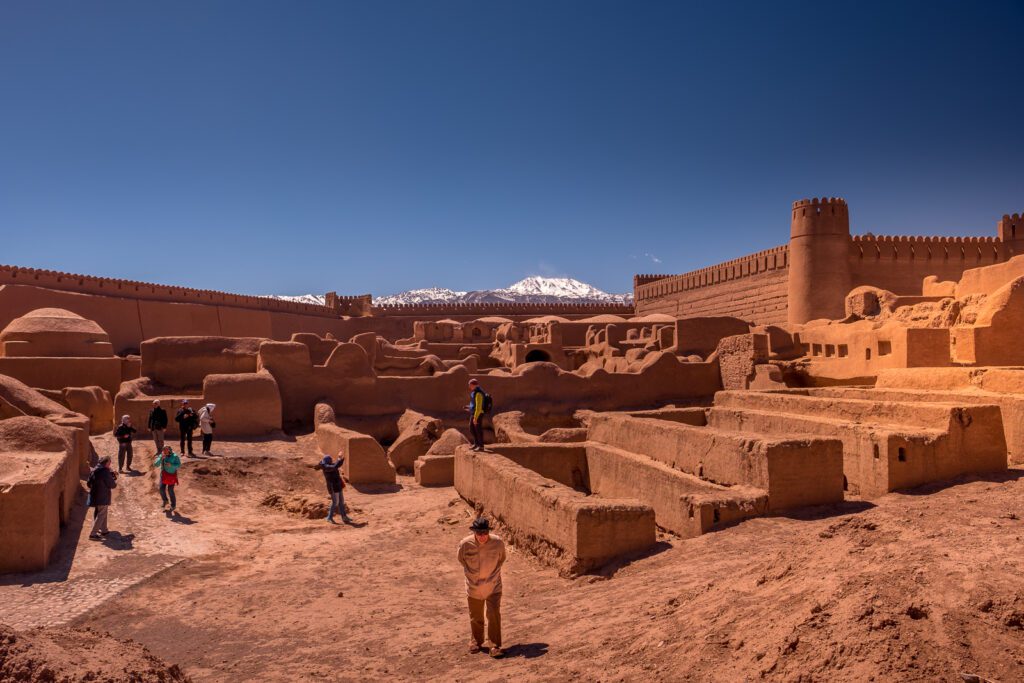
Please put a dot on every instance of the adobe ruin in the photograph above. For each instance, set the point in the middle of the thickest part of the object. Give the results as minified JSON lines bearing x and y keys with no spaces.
{"x":835,"y":368}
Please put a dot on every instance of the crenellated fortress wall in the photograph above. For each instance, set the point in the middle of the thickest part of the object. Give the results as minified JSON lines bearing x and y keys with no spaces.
{"x":133,"y":311}
{"x":810,"y":276}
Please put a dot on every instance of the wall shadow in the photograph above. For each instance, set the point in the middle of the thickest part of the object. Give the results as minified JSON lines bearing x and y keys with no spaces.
{"x":63,"y":554}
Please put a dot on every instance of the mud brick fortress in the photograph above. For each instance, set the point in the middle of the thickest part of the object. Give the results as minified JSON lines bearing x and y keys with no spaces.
{"x":810,"y":277}
{"x":832,"y":368}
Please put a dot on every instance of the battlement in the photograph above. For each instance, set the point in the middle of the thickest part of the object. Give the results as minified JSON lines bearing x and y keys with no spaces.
{"x":1010,"y":227}
{"x":643,"y":279}
{"x":89,"y":284}
{"x":832,"y":202}
{"x":761,"y":262}
{"x":907,"y":247}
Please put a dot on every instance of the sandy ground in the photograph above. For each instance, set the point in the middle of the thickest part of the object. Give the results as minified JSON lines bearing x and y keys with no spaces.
{"x":920,"y":586}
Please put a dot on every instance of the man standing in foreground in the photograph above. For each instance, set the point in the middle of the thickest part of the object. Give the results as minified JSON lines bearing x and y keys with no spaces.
{"x":481,"y":555}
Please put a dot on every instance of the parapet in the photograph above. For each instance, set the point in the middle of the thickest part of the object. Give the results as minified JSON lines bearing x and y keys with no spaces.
{"x":824,"y":216}
{"x":88,"y":284}
{"x":819,"y":205}
{"x":1010,"y":227}
{"x":775,"y":258}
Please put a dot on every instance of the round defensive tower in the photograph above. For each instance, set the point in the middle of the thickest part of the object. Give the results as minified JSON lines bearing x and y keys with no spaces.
{"x":819,"y":267}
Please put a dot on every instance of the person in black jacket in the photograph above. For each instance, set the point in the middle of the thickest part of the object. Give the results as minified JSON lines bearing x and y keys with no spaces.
{"x":123,"y":433}
{"x":187,"y":421}
{"x":157,"y":424}
{"x":335,"y":486}
{"x":101,"y":482}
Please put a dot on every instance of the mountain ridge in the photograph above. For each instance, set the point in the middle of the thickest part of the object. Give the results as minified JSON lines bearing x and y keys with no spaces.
{"x":533,"y":289}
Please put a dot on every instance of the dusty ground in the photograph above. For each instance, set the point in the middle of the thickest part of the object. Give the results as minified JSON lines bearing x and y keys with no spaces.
{"x":921,"y":586}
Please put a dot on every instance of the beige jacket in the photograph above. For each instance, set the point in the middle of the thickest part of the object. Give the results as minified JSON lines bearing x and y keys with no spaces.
{"x":482,"y":564}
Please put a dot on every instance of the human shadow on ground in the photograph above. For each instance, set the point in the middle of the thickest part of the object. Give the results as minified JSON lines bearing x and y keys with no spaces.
{"x":179,"y":518}
{"x":526,"y":650}
{"x":374,"y":489}
{"x":115,"y":540}
{"x":354,"y":524}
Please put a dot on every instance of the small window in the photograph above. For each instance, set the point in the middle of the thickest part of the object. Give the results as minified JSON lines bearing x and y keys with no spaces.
{"x":867,"y":354}
{"x":901,"y":454}
{"x":876,"y":451}
{"x":884,"y":348}
{"x":844,"y":350}
{"x":830,"y":350}
{"x":815,"y":349}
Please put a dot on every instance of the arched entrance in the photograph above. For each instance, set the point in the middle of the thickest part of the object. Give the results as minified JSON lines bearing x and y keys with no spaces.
{"x":538,"y":356}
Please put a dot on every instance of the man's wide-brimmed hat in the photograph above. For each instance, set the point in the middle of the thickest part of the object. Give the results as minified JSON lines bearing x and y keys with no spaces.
{"x":480,"y":524}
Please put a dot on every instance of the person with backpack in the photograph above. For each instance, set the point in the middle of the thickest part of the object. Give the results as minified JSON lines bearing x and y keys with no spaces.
{"x":186,"y":419}
{"x":123,"y":433}
{"x":335,"y":486}
{"x":157,"y":424}
{"x":206,"y":426}
{"x":168,"y":463}
{"x":479,"y":405}
{"x":101,"y":482}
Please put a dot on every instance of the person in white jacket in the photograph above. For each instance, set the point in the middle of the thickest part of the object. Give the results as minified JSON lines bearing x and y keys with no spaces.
{"x":206,"y":426}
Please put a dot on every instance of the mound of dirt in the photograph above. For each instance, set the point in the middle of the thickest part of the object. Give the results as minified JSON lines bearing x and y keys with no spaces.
{"x":311,"y":507}
{"x":72,"y":655}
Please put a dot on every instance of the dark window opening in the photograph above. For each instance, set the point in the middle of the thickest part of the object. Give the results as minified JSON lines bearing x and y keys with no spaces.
{"x":538,"y":356}
{"x":901,"y":454}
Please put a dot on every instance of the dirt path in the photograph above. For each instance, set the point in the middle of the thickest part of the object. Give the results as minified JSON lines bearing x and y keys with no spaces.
{"x":915,"y":587}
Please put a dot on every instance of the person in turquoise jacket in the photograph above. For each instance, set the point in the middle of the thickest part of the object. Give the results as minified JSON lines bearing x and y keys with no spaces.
{"x":168,"y":463}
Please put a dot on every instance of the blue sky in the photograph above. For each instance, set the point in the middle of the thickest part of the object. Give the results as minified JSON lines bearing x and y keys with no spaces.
{"x":378,"y":146}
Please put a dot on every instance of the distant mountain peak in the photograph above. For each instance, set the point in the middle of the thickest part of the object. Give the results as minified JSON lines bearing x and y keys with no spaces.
{"x":533,"y":289}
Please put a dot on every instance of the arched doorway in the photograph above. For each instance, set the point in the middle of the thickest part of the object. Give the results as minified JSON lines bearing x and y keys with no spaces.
{"x":538,"y":356}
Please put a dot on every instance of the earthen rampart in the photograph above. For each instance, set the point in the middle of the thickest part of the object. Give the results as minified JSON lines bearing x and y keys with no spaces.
{"x":89,"y":284}
{"x":809,"y":277}
{"x":752,"y":287}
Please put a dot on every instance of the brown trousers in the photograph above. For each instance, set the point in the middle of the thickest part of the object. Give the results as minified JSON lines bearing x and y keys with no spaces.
{"x":476,"y":618}
{"x":99,"y":519}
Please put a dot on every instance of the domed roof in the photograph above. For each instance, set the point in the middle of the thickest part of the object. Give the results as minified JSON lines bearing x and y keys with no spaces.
{"x":546,"y":319}
{"x":54,"y":332}
{"x":654,"y":318}
{"x":52,"y":320}
{"x":607,"y":318}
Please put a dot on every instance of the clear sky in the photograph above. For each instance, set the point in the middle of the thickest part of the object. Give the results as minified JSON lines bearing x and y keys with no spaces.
{"x":293,"y":147}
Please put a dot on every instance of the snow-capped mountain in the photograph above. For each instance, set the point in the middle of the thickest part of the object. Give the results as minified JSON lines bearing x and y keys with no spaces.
{"x":534,"y":289}
{"x":430,"y":295}
{"x":529,"y":290}
{"x":316,"y":299}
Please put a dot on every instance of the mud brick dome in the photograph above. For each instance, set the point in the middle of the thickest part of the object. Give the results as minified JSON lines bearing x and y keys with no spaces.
{"x":54,"y":332}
